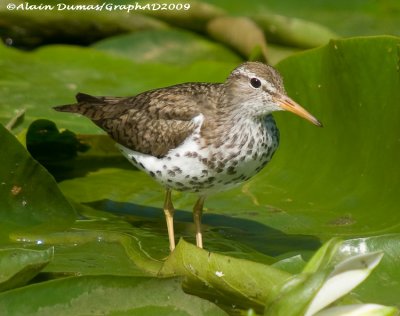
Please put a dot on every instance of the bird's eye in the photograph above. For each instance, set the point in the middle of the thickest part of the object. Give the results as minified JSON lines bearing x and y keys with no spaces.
{"x":255,"y":82}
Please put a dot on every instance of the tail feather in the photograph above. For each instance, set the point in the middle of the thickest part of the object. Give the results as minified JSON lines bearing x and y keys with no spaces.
{"x":65,"y":108}
{"x":85,"y":105}
{"x":83,"y":97}
{"x":96,"y":108}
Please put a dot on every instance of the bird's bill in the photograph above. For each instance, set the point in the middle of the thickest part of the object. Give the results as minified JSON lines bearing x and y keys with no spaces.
{"x":288,"y":104}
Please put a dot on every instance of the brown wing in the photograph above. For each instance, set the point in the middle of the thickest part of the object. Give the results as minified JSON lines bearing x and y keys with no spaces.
{"x":153,"y":122}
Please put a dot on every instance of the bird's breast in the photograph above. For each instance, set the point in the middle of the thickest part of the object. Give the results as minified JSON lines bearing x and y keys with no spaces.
{"x":239,"y":154}
{"x":247,"y":148}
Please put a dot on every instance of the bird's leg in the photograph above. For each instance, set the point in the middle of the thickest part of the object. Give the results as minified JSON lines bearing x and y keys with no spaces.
{"x":197,"y":213}
{"x":169,"y":217}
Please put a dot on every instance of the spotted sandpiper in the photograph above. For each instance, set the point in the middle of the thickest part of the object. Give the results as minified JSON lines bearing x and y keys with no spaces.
{"x":197,"y":137}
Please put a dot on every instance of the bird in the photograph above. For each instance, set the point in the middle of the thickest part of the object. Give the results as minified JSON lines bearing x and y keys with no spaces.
{"x":197,"y":137}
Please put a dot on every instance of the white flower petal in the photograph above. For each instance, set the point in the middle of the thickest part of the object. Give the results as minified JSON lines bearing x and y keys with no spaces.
{"x":346,"y":276}
{"x":359,"y":310}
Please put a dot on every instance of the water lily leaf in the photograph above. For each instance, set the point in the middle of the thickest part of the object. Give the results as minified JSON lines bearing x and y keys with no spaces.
{"x":105,"y":295}
{"x":324,"y":256}
{"x":29,"y":197}
{"x":240,"y":33}
{"x":68,"y":70}
{"x":386,"y":277}
{"x":18,"y":266}
{"x":141,"y":204}
{"x":282,"y":205}
{"x":86,"y":250}
{"x":322,"y":282}
{"x":195,"y":18}
{"x":171,"y":46}
{"x":293,"y":32}
{"x":335,"y":84}
{"x":29,"y":28}
{"x":355,"y":18}
{"x":293,"y":265}
{"x":99,"y":243}
{"x":295,"y":202}
{"x":224,"y":278}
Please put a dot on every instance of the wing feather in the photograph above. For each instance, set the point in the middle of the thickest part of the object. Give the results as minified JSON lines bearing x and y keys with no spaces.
{"x":153,"y":122}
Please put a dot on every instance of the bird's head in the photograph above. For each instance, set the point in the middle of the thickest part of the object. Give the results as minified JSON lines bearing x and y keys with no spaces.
{"x":259,"y":88}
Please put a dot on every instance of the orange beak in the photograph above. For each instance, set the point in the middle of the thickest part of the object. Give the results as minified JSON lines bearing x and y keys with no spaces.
{"x":288,"y":104}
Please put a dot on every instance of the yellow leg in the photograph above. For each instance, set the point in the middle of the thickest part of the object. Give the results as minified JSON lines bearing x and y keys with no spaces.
{"x":169,"y":217}
{"x":197,"y":213}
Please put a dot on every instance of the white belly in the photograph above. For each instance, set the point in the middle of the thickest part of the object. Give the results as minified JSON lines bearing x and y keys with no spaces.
{"x":192,"y":167}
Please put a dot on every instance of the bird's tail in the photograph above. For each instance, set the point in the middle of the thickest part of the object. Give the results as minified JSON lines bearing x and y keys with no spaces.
{"x":86,"y":105}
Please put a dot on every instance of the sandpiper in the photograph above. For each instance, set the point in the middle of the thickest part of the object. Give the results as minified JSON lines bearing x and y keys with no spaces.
{"x":197,"y":137}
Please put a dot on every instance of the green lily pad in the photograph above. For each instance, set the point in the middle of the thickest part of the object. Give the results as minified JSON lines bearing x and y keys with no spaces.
{"x":195,"y":18}
{"x":340,"y":195}
{"x":347,"y":18}
{"x":88,"y":250}
{"x":18,"y":266}
{"x":31,"y":24}
{"x":242,"y":34}
{"x":171,"y":46}
{"x":29,"y":196}
{"x":105,"y":295}
{"x":337,"y":181}
{"x":27,"y":78}
{"x":308,"y":293}
{"x":348,"y":192}
{"x":293,"y":32}
{"x":386,"y":278}
{"x":226,"y":279}
{"x":321,"y":183}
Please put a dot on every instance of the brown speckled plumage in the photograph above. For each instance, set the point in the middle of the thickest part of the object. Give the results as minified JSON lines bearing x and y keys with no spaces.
{"x":197,"y":137}
{"x":155,"y":121}
{"x":151,"y":122}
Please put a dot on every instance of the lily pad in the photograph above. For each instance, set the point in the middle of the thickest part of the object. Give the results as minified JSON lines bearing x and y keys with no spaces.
{"x":223,"y":278}
{"x":88,"y":250}
{"x":170,"y":46}
{"x":386,"y":278}
{"x":68,"y":70}
{"x":31,"y":24}
{"x":18,"y":266}
{"x":347,"y":186}
{"x":29,"y":196}
{"x":347,"y":18}
{"x":293,"y":198}
{"x":105,"y":295}
{"x":321,"y":183}
{"x":242,"y":34}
